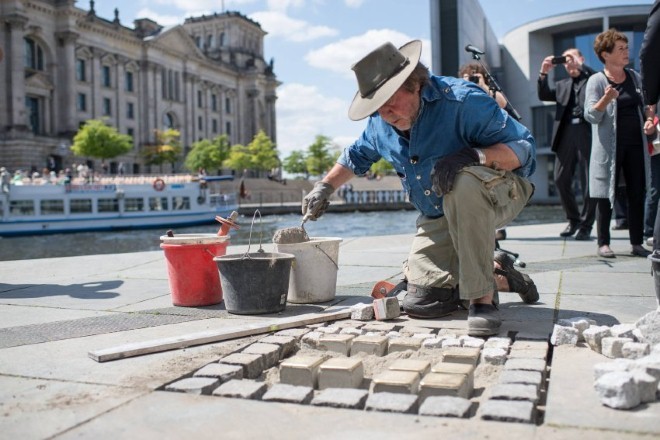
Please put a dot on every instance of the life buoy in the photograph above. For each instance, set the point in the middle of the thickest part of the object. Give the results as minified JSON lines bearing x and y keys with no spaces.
{"x":159,"y":184}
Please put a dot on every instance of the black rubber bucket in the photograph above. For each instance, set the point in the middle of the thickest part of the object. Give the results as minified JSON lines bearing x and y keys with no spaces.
{"x":255,"y":283}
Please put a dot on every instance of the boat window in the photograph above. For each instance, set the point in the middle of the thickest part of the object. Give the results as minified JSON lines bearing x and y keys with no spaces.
{"x":21,"y":207}
{"x":81,"y":206}
{"x":108,"y":205}
{"x":134,"y":204}
{"x":181,"y":203}
{"x":52,"y":207}
{"x":158,"y":204}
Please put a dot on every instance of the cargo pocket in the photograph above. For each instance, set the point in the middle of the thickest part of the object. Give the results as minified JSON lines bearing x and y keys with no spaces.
{"x":500,"y":188}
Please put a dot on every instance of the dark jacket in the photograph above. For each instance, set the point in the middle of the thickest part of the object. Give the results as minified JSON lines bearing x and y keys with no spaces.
{"x":649,"y":58}
{"x":561,"y":94}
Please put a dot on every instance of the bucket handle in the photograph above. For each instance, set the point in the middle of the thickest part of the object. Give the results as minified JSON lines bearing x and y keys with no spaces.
{"x":261,"y":233}
{"x":326,"y":254}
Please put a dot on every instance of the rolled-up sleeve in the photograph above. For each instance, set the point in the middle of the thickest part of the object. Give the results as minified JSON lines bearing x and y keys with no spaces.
{"x":359,"y":156}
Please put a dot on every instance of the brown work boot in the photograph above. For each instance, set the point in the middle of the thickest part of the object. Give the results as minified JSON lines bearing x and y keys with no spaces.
{"x":519,"y":282}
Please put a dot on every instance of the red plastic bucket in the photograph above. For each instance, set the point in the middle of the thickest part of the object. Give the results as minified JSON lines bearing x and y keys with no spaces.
{"x":193,"y":275}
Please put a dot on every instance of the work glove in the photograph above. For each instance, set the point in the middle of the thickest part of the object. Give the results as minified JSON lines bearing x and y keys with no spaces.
{"x":445,"y":169}
{"x":316,"y":202}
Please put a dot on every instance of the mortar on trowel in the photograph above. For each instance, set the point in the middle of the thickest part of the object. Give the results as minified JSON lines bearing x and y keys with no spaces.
{"x":296,"y":234}
{"x":314,"y":272}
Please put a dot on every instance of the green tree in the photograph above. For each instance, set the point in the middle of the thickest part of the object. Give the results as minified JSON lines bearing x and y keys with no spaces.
{"x":208,"y":154}
{"x":381,"y":168}
{"x":295,"y":163}
{"x":96,"y":139}
{"x":260,"y":155}
{"x":167,"y":148}
{"x":319,"y":159}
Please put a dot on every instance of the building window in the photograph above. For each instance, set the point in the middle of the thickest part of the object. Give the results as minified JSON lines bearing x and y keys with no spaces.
{"x":34,"y":55}
{"x":199,"y":98}
{"x":214,"y":102}
{"x":227,"y":105}
{"x":130,"y":110}
{"x":107,"y":107}
{"x":129,"y":81}
{"x":198,"y":42}
{"x":33,"y":107}
{"x":200,"y":123}
{"x":209,"y":41}
{"x":105,"y":76}
{"x":222,"y":39}
{"x":82,"y":102}
{"x":81,"y":71}
{"x":131,"y":133}
{"x":214,"y":125}
{"x":228,"y":128}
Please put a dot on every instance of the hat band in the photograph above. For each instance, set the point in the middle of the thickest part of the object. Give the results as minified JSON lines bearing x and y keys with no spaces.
{"x":398,"y":69}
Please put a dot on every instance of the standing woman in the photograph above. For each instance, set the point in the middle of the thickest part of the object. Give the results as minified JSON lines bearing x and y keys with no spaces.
{"x":615,"y":108}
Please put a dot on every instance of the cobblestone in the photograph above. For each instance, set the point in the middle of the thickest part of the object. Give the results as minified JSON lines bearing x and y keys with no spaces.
{"x":371,"y":345}
{"x":392,"y":402}
{"x":253,"y":364}
{"x":341,"y":372}
{"x":444,"y":384}
{"x":446,"y":406}
{"x":222,"y":372}
{"x":243,"y":389}
{"x":514,"y":391}
{"x":270,"y":352}
{"x":392,"y":381}
{"x":301,"y":370}
{"x":287,"y":344}
{"x":341,"y":398}
{"x":281,"y":392}
{"x":508,"y":411}
{"x":194,"y":385}
{"x":336,"y":343}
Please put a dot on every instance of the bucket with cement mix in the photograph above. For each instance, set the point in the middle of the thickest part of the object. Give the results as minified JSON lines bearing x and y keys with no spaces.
{"x":192,"y":273}
{"x":314,"y":273}
{"x":255,"y":283}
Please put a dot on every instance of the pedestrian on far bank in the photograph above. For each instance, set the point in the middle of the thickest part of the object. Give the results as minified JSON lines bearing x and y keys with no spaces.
{"x":464,"y":163}
{"x":5,"y":179}
{"x":571,"y":139}
{"x":615,"y":108}
{"x":650,"y":67}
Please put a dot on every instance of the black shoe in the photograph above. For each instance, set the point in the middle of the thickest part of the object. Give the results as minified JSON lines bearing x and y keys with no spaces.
{"x":483,"y":320}
{"x":571,"y":229}
{"x":640,"y":251}
{"x":430,"y":302}
{"x":583,"y":234}
{"x":519,"y":282}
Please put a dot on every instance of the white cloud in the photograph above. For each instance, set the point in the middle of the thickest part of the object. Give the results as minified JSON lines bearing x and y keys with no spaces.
{"x":303,"y":113}
{"x":278,"y":24}
{"x":340,"y":56}
{"x":283,"y":5}
{"x":163,"y":20}
{"x":353,"y":3}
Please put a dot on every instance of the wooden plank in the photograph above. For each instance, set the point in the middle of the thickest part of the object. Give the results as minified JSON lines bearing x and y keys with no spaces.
{"x":207,"y":337}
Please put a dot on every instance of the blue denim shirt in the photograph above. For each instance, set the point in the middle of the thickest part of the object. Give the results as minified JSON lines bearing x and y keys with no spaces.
{"x":454,"y":114}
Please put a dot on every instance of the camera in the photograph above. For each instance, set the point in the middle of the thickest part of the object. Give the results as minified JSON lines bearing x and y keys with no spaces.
{"x":474,"y":79}
{"x":559,"y":60}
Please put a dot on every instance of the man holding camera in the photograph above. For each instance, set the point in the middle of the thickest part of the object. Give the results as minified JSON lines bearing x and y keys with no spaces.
{"x":571,"y":138}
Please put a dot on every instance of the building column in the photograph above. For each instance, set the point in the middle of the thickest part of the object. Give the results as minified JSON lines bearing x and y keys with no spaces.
{"x":17,"y":112}
{"x":66,"y":79}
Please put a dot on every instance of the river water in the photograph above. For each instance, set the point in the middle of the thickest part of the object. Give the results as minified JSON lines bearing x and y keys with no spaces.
{"x":344,"y":225}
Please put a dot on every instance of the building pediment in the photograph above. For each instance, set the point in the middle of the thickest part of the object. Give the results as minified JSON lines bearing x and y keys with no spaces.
{"x":178,"y":40}
{"x":38,"y":80}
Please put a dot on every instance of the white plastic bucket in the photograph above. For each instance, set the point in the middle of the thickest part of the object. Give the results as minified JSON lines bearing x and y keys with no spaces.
{"x":314,"y":272}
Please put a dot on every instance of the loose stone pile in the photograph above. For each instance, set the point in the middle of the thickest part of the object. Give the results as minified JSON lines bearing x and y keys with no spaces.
{"x":381,"y":366}
{"x":633,"y":377}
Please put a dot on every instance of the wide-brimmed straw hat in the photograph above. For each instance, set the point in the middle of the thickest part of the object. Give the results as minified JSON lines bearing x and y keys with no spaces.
{"x":380,"y":74}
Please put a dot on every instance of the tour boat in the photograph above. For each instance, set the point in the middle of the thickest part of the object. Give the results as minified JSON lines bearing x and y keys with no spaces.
{"x":126,"y":202}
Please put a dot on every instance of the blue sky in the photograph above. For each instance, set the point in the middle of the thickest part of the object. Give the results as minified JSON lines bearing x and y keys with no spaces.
{"x":314,"y":43}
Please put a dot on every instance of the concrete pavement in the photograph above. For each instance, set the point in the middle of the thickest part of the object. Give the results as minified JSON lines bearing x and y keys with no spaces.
{"x":54,"y":311}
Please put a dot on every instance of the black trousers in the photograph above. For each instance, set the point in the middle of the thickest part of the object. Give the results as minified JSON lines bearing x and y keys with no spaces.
{"x":573,"y":152}
{"x":630,"y":162}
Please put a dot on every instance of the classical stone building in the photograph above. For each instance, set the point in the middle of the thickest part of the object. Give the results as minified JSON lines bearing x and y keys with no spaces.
{"x":62,"y":65}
